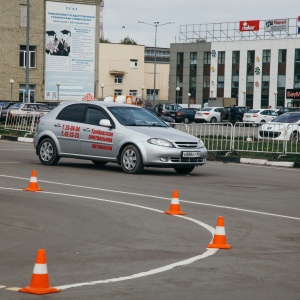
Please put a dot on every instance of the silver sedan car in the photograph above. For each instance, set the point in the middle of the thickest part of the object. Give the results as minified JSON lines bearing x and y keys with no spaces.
{"x":119,"y":133}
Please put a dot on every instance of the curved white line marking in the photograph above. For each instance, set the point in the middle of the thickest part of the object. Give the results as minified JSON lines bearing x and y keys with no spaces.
{"x":207,"y":253}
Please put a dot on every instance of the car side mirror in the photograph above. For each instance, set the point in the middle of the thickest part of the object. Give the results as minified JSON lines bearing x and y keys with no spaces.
{"x":105,"y":123}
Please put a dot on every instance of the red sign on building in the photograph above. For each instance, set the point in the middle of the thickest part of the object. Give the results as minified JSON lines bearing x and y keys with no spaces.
{"x":249,"y":25}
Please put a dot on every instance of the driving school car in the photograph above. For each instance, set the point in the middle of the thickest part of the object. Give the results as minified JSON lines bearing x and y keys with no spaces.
{"x":125,"y":134}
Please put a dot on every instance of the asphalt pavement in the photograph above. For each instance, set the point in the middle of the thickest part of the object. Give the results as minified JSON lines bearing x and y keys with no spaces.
{"x":106,"y":235}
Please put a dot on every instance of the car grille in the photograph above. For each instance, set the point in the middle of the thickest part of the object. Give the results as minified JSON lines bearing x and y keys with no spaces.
{"x":269,"y":134}
{"x":186,"y":144}
{"x":187,"y":159}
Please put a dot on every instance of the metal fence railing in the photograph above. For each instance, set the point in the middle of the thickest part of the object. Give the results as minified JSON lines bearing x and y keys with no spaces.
{"x":23,"y":119}
{"x":245,"y":137}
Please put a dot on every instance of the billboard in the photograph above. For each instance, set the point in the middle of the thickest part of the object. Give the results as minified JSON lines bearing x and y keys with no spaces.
{"x":70,"y":51}
{"x":277,"y":25}
{"x":249,"y":25}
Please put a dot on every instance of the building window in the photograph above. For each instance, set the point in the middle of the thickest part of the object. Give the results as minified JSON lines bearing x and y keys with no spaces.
{"x":235,"y":57}
{"x":118,"y":79}
{"x":150,"y":94}
{"x":118,"y":92}
{"x":23,"y":15}
{"x":132,"y":92}
{"x":32,"y":56}
{"x":221,"y":57}
{"x":133,"y":63}
{"x":207,"y":56}
{"x":179,"y":78}
{"x":297,"y":69}
{"x":235,"y":75}
{"x":266,"y":56}
{"x":282,"y":56}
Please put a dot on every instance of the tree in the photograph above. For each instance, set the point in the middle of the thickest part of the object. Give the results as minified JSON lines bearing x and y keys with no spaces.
{"x":103,"y":40}
{"x":127,"y":40}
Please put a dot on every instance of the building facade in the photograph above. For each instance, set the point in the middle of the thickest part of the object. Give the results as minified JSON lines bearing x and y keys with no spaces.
{"x":259,"y":67}
{"x":15,"y":73}
{"x":129,"y":70}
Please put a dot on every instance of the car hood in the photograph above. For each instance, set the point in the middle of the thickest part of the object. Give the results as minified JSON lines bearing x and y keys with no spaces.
{"x":273,"y":125}
{"x":166,"y":133}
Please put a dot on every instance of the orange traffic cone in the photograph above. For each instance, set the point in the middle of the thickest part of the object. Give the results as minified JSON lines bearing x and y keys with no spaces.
{"x":33,"y":185}
{"x":219,"y":240}
{"x":39,"y":283}
{"x":174,"y":207}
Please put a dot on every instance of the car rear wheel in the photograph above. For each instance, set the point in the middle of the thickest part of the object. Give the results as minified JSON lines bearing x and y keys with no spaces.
{"x":131,"y":160}
{"x":47,"y":152}
{"x":213,"y":120}
{"x":295,"y":137}
{"x":186,"y":120}
{"x":184,"y":170}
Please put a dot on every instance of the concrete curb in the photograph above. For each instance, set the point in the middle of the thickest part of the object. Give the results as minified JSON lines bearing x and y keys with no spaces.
{"x":14,"y":138}
{"x":261,"y":162}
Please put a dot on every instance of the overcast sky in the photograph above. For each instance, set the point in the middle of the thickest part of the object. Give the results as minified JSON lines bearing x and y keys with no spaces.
{"x":120,"y":17}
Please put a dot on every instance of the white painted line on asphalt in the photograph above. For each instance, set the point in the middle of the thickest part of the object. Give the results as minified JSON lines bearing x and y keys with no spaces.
{"x":191,"y":260}
{"x":163,"y":198}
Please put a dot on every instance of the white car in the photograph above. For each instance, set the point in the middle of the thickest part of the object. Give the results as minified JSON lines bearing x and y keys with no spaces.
{"x":284,"y":127}
{"x":257,"y":116}
{"x":209,"y":115}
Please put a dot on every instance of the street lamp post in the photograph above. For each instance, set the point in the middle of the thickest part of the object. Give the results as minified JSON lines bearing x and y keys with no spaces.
{"x":177,"y":91}
{"x":58,"y":84}
{"x":275,"y":93}
{"x":142,"y":87}
{"x":11,"y":87}
{"x":211,"y":96}
{"x":189,"y":95}
{"x":102,"y":87}
{"x":155,"y":24}
{"x":244,"y":92}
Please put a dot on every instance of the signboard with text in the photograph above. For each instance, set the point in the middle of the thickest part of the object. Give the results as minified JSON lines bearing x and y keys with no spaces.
{"x":249,"y":25}
{"x":277,"y":25}
{"x":293,"y":94}
{"x":70,"y":50}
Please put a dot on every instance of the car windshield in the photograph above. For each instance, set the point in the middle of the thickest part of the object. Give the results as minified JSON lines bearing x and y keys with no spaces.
{"x":287,"y":118}
{"x":4,"y":105}
{"x":17,"y":105}
{"x":135,"y":116}
{"x":253,"y":111}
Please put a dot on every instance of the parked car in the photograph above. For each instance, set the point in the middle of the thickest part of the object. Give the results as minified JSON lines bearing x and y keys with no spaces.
{"x":115,"y":132}
{"x":186,"y":115}
{"x":257,"y":116}
{"x":287,"y":109}
{"x":165,"y":109}
{"x":163,"y":117}
{"x":239,"y":113}
{"x":284,"y":127}
{"x":209,"y":115}
{"x":23,"y":113}
{"x":4,"y":106}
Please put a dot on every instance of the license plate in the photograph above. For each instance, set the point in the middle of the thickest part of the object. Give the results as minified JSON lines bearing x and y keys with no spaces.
{"x":191,"y":154}
{"x":173,"y":115}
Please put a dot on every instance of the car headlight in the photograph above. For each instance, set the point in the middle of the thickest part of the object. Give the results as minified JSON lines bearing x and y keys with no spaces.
{"x":160,"y":142}
{"x":201,"y":144}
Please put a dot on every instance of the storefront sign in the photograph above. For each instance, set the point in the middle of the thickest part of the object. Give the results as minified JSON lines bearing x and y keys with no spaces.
{"x":293,"y":93}
{"x":249,"y":25}
{"x":277,"y":25}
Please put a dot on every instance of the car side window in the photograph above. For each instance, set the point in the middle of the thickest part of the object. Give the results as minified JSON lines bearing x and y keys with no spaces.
{"x":73,"y":113}
{"x":94,"y":115}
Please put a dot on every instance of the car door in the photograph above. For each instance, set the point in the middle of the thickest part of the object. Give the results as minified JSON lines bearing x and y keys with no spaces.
{"x":67,"y":128}
{"x":97,"y":141}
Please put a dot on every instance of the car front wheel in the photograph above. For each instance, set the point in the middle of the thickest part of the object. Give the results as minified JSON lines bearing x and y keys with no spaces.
{"x":186,"y":120}
{"x":47,"y":152}
{"x":184,"y":170}
{"x":213,"y":120}
{"x":131,"y":160}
